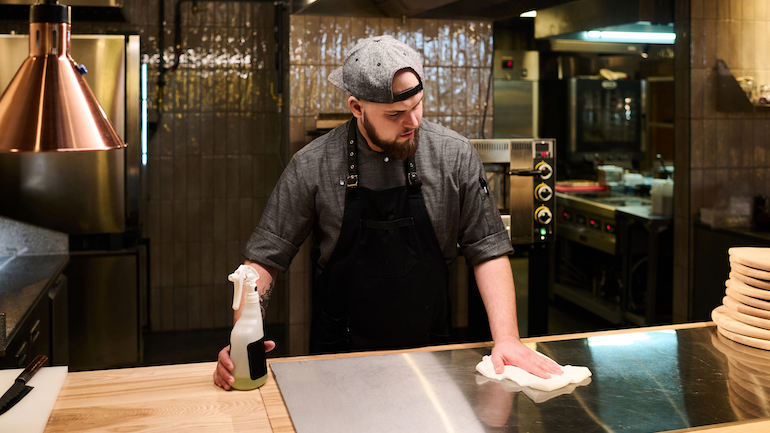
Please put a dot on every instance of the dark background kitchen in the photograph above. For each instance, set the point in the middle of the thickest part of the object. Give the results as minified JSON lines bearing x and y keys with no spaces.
{"x":246,"y":91}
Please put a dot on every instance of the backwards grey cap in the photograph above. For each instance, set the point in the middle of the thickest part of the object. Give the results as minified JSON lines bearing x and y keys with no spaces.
{"x":368,"y":69}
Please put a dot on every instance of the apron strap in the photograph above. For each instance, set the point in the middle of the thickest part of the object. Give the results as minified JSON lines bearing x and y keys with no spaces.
{"x":352,"y":179}
{"x":412,"y":179}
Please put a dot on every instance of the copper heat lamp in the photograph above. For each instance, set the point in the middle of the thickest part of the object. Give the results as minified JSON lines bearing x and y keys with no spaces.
{"x":48,"y":106}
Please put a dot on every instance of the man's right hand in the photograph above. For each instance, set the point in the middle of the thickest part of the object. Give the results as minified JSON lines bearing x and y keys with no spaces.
{"x":223,"y":375}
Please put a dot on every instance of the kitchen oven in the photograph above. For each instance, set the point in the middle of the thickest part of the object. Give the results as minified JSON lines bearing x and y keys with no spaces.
{"x":591,"y":223}
{"x":613,"y":258}
{"x":606,"y":118}
{"x":521,"y":176}
{"x":588,"y":266}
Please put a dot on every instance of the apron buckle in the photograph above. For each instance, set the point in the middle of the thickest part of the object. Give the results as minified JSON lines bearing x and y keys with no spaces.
{"x":413,"y":179}
{"x":352,"y":181}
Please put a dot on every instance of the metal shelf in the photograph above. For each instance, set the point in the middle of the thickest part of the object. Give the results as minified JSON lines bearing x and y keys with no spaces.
{"x":604,"y":309}
{"x":636,"y":318}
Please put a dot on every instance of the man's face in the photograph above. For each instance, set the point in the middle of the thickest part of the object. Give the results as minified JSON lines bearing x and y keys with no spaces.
{"x":393,"y":128}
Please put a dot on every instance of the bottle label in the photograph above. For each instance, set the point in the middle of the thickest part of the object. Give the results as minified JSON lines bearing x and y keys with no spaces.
{"x":257,"y":359}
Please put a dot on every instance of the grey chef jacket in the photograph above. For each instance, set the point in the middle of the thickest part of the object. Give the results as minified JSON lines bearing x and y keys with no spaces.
{"x":310,"y":195}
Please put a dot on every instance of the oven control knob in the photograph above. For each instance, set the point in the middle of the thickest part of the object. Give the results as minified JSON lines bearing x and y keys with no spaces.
{"x":546,"y":171}
{"x":543,"y":215}
{"x":543,"y":192}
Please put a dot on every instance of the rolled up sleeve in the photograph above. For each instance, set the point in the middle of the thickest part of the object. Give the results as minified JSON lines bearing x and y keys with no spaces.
{"x":286,"y":221}
{"x":482,"y":234}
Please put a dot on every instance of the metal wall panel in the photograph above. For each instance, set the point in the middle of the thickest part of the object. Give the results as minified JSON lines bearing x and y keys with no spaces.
{"x":516,"y":93}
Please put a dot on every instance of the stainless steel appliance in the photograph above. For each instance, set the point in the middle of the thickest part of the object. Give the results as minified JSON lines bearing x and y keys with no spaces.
{"x":516,"y":94}
{"x":611,"y":257}
{"x":521,"y":176}
{"x":589,"y":268}
{"x":606,"y":119}
{"x":590,"y":222}
{"x":95,"y":197}
{"x":630,"y":27}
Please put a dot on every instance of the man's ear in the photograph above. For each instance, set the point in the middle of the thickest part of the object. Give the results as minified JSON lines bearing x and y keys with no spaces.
{"x":355,"y":107}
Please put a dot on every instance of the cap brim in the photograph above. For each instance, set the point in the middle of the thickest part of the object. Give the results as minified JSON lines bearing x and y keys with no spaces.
{"x":336,"y":78}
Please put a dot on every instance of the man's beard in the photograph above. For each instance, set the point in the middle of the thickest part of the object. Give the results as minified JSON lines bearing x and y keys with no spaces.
{"x":392,"y":148}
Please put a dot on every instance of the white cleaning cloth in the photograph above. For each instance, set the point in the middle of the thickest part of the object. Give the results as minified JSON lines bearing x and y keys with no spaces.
{"x":535,"y":395}
{"x":570,"y":375}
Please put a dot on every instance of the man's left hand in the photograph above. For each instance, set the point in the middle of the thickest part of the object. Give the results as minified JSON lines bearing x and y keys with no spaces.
{"x":514,"y":352}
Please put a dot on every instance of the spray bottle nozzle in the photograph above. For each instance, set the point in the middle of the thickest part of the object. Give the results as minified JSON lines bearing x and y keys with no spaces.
{"x":244,"y":275}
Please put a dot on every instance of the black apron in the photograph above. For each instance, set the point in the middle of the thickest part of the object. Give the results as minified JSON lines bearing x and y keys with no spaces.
{"x":385,"y":285}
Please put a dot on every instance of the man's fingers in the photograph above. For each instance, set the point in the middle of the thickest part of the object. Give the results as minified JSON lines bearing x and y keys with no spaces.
{"x":498,"y":364}
{"x":539,"y":372}
{"x":220,"y":382}
{"x":550,"y":366}
{"x":223,"y":377}
{"x":545,"y":368}
{"x":224,"y":358}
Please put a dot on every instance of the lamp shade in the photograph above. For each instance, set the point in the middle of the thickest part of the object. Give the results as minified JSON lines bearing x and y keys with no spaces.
{"x":48,"y":106}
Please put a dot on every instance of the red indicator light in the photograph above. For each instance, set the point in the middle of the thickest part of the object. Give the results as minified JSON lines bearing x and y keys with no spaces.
{"x":507,"y":64}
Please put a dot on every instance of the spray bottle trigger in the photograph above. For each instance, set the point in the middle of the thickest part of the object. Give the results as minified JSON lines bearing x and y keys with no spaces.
{"x":237,"y":279}
{"x":245,"y":274}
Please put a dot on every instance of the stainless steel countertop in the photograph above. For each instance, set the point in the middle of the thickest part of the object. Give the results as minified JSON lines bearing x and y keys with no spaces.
{"x":631,"y":205}
{"x":642,"y":382}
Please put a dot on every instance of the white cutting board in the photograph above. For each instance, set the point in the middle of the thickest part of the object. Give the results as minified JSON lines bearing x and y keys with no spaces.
{"x":32,"y":412}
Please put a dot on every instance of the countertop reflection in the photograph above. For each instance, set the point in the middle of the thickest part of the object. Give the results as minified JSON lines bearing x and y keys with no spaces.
{"x":642,"y":382}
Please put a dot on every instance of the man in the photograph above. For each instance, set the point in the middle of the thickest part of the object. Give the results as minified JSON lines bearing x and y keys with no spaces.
{"x":388,"y":196}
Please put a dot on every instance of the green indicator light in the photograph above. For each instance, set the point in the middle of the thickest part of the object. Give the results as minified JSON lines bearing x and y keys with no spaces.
{"x":542,"y":231}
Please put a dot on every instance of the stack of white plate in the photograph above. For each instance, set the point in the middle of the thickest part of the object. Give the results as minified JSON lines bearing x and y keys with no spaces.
{"x":744,"y":315}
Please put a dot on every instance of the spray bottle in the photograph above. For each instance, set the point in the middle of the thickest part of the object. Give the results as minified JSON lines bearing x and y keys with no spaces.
{"x":247,"y":340}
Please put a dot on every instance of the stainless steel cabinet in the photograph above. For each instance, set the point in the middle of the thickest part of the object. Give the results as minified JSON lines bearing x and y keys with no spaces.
{"x":104,"y":326}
